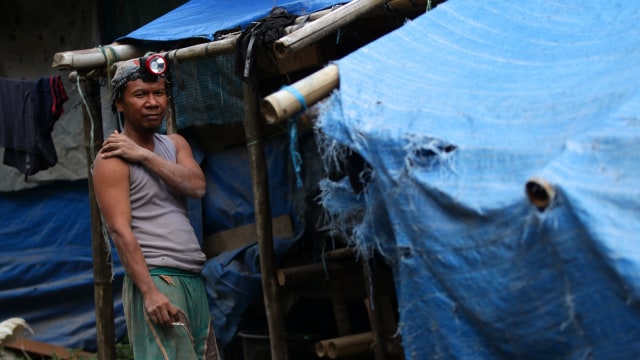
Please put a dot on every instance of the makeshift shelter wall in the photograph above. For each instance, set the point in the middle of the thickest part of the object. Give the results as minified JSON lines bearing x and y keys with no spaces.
{"x":35,"y":30}
{"x":454,"y":112}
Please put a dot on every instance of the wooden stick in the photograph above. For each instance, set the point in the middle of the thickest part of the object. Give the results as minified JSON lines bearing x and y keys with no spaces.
{"x":345,"y":345}
{"x":102,"y":267}
{"x":46,"y":350}
{"x":373,"y":308}
{"x":264,"y":232}
{"x":283,"y":104}
{"x":324,"y":26}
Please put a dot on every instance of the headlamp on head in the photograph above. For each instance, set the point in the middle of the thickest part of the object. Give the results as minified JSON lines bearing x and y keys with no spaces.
{"x":149,"y":68}
{"x":154,"y":66}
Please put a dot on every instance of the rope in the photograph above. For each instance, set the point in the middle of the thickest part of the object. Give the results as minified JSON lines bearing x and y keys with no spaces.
{"x":84,"y":101}
{"x":296,"y":159}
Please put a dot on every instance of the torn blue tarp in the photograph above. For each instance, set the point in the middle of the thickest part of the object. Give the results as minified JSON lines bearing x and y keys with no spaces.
{"x":205,"y":18}
{"x":454,"y":113}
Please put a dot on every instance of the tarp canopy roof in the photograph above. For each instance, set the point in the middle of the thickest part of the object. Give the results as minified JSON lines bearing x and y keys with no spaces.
{"x":454,"y":112}
{"x":204,"y":18}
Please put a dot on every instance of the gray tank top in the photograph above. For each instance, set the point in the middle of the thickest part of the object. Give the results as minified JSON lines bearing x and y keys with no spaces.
{"x":159,"y":217}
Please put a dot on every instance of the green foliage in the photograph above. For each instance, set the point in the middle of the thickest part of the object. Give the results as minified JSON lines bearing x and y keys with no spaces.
{"x":123,"y":350}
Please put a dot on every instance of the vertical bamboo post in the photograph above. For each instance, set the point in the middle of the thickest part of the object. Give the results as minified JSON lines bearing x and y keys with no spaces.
{"x":261,"y":204}
{"x":172,"y":125}
{"x":102,"y":270}
{"x":373,"y":309}
{"x":341,"y":314}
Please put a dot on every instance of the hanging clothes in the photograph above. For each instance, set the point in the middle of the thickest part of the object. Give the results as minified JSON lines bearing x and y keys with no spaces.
{"x":28,"y":111}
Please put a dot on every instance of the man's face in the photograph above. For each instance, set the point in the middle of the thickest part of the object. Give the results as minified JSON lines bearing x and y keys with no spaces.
{"x":143,"y":103}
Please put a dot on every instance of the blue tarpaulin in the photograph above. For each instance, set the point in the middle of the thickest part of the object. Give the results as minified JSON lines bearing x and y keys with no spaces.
{"x":201,"y":19}
{"x":46,"y":264}
{"x":454,"y":113}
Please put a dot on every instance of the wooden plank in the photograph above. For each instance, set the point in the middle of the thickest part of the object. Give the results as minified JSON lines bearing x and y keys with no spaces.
{"x":244,"y":235}
{"x":45,"y":349}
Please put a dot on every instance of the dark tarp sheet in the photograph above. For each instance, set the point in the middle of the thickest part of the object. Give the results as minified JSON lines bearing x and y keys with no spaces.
{"x":46,"y":265}
{"x":454,"y":112}
{"x":204,"y":18}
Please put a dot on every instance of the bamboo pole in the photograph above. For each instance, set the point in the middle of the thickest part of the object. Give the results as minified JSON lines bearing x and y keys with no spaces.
{"x":340,"y":254}
{"x":283,"y":103}
{"x":540,"y":192}
{"x":373,"y":309}
{"x":261,"y":205}
{"x":102,"y":268}
{"x":214,"y":48}
{"x":93,"y":58}
{"x":307,"y":273}
{"x":98,"y":56}
{"x":344,"y":346}
{"x":324,"y":26}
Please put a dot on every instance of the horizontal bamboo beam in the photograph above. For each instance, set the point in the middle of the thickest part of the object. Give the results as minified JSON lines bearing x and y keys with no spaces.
{"x":307,"y":273}
{"x":213,"y":48}
{"x":97,"y":57}
{"x":92,"y":58}
{"x":285,"y":103}
{"x":340,"y":254}
{"x":344,"y":346}
{"x":324,"y":26}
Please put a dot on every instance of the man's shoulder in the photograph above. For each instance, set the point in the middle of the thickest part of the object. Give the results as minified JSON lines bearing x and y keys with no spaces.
{"x":109,"y":166}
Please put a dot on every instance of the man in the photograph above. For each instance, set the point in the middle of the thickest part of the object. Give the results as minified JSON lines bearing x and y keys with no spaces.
{"x":141,"y":181}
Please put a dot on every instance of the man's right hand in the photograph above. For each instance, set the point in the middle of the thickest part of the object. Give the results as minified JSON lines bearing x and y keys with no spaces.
{"x":160,"y":310}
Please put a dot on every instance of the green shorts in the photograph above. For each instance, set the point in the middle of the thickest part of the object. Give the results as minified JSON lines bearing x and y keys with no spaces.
{"x":193,"y":340}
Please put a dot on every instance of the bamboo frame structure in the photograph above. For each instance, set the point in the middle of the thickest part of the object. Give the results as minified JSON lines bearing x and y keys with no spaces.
{"x":276,"y":107}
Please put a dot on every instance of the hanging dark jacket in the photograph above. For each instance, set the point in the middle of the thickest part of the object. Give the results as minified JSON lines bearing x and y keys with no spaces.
{"x":28,"y":111}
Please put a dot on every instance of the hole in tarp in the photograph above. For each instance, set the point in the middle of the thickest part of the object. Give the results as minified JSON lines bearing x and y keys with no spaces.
{"x":428,"y":151}
{"x":355,"y":167}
